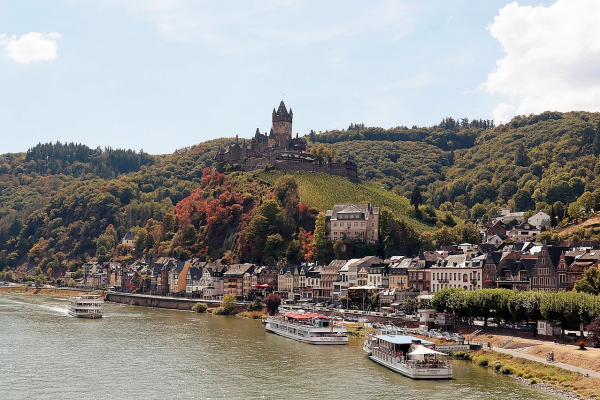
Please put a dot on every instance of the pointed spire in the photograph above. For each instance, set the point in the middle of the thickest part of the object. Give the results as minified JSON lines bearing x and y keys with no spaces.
{"x":282,"y":110}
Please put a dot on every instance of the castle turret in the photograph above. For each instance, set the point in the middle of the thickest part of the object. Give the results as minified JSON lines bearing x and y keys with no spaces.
{"x":282,"y":126}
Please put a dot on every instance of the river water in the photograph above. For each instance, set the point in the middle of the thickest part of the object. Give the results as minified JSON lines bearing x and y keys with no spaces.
{"x":143,"y":353}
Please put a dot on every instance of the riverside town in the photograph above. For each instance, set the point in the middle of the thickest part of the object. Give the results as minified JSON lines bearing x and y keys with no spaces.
{"x":300,"y":200}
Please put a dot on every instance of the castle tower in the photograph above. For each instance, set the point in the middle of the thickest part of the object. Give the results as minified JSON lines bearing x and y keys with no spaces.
{"x":282,"y":126}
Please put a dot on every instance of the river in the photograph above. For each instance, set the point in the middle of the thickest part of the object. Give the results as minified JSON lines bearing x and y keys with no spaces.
{"x":143,"y":353}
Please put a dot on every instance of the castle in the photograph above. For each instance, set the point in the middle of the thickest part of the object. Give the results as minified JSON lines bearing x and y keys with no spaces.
{"x":279,"y":150}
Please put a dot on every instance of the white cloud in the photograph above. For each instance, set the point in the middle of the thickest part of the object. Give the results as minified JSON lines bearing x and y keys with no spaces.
{"x":31,"y":47}
{"x":552,"y":59}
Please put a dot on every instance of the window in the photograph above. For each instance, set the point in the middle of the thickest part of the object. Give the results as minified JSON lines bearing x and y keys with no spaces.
{"x":356,"y":224}
{"x":335,"y":224}
{"x":362,"y":224}
{"x":349,"y":223}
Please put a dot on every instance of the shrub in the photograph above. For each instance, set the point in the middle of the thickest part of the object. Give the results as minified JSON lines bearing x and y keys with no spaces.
{"x":527,"y":376}
{"x":497,"y":365}
{"x":253,"y":314}
{"x":200,"y":307}
{"x":256,"y":305}
{"x":482,"y":362}
{"x":220,"y":311}
{"x":533,"y":381}
{"x":506,"y":370}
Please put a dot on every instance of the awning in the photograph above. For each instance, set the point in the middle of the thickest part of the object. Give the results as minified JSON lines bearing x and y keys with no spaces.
{"x":422,"y":350}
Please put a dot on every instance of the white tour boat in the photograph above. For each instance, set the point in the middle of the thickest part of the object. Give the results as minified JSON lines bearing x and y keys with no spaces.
{"x":86,"y":306}
{"x":307,"y":327}
{"x":408,"y":355}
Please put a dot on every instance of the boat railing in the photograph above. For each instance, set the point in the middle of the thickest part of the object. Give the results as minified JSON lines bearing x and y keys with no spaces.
{"x":428,"y":365}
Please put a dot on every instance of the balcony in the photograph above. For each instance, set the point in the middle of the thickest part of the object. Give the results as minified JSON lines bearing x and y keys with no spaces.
{"x":513,"y":279}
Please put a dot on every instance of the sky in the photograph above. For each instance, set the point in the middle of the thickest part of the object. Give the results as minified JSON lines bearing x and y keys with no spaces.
{"x":160,"y":75}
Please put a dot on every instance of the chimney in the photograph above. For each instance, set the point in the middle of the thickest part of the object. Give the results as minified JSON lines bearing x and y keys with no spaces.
{"x":236,"y":138}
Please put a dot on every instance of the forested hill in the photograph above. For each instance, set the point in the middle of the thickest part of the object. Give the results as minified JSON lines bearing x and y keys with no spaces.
{"x":63,"y":204}
{"x":550,"y":157}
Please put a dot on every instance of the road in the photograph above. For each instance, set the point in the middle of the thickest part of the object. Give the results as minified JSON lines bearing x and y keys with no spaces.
{"x":568,"y":367}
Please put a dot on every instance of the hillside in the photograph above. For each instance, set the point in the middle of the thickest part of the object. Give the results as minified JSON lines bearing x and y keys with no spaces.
{"x":65,"y":204}
{"x":323,"y":191}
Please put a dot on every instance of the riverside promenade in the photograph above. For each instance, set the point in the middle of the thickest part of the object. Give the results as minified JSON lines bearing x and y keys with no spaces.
{"x":568,"y":367}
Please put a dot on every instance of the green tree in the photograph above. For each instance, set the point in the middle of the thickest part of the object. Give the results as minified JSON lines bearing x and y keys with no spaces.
{"x":228,"y":303}
{"x":410,"y":306}
{"x":590,"y":282}
{"x":586,"y":200}
{"x":574,"y":210}
{"x":444,"y":237}
{"x":416,"y":199}
{"x":478,"y":211}
{"x":319,"y":238}
{"x":521,"y":158}
{"x":523,"y":200}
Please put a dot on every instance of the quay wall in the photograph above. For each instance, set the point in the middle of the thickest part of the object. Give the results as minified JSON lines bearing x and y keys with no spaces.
{"x":174,"y":303}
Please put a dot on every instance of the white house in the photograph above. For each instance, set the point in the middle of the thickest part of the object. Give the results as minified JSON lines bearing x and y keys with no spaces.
{"x":457,"y":271}
{"x":128,"y":239}
{"x":539,"y":220}
{"x":495,"y":240}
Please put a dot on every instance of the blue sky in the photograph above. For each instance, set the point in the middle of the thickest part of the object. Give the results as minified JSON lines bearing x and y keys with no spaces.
{"x":163,"y":74}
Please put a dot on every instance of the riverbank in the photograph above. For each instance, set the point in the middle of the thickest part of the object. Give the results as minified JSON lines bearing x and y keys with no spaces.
{"x":52,"y":291}
{"x":557,"y":380}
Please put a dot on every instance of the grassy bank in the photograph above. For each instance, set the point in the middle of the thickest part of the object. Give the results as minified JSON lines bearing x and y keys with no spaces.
{"x":535,"y":373}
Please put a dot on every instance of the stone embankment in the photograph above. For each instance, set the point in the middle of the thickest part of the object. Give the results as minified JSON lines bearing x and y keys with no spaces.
{"x":174,"y":303}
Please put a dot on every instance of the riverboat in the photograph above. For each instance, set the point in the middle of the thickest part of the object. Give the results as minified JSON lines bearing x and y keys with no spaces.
{"x":86,"y":306}
{"x":307,"y":328}
{"x":408,"y":355}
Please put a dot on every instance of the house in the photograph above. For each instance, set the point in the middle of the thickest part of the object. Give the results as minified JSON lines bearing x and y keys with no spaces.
{"x":233,"y":279}
{"x":128,"y":239}
{"x":362,"y":276}
{"x":516,"y":274}
{"x":340,"y":287}
{"x":491,"y":265}
{"x":398,"y":274}
{"x":329,"y":274}
{"x":497,"y":229}
{"x":494,"y":240}
{"x":353,"y":221}
{"x":192,"y":281}
{"x":285,"y":281}
{"x":378,"y":275}
{"x":419,"y":275}
{"x":457,"y":271}
{"x":524,"y":232}
{"x":572,"y":266}
{"x":545,"y":272}
{"x":540,"y":220}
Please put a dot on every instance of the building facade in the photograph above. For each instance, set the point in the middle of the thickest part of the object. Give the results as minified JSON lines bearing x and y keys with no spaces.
{"x":353,"y":221}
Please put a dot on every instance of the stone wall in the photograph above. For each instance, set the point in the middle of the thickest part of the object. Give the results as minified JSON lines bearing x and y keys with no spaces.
{"x":174,"y":303}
